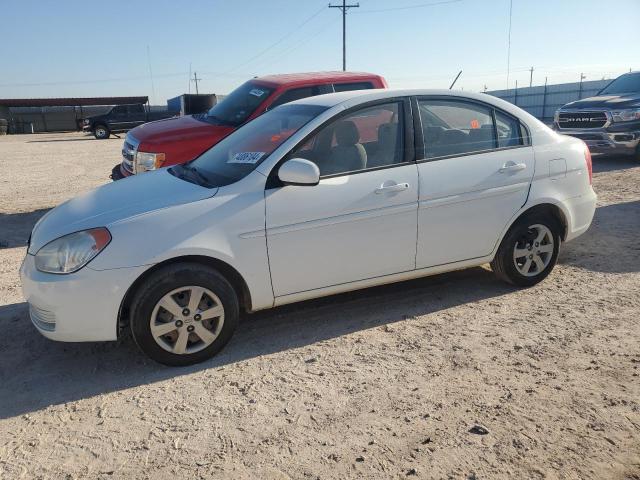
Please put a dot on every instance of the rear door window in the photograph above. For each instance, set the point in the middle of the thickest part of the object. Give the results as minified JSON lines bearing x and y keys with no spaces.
{"x":455,"y":127}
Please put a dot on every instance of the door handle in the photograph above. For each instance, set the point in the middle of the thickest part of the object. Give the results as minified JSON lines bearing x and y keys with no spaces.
{"x":395,"y":187}
{"x":512,"y":167}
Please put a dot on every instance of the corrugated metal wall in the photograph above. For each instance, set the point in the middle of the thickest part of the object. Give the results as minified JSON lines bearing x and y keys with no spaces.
{"x":543,"y":101}
{"x":57,"y":119}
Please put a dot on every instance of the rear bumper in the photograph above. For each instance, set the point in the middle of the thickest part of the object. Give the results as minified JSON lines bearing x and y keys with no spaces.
{"x":603,"y":143}
{"x":581,"y":209}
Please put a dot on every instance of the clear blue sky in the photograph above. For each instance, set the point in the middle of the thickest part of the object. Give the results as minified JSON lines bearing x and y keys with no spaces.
{"x":74,"y":48}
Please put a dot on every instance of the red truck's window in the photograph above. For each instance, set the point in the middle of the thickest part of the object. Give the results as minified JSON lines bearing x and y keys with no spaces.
{"x":345,"y":87}
{"x":240,"y":104}
{"x":296,"y":94}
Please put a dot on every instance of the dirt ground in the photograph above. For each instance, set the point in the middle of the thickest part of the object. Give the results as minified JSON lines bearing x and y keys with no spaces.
{"x":383,"y":383}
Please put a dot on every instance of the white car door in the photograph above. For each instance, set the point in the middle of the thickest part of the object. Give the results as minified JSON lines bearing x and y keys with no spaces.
{"x":360,"y":221}
{"x":474,"y":176}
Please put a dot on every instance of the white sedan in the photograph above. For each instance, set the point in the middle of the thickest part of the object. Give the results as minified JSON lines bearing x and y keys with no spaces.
{"x":320,"y":196}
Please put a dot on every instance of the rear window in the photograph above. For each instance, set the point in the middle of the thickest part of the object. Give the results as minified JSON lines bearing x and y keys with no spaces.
{"x":345,"y":87}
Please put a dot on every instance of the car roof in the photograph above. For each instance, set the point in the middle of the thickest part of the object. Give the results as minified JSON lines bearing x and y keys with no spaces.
{"x":353,"y":98}
{"x":315,"y":77}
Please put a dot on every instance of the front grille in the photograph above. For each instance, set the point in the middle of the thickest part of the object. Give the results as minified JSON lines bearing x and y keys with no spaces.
{"x":43,"y":319}
{"x":582,"y":119}
{"x":128,"y":155}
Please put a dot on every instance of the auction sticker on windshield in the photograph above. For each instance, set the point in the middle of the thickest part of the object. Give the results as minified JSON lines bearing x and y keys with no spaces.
{"x":257,"y":92}
{"x":246,"y":157}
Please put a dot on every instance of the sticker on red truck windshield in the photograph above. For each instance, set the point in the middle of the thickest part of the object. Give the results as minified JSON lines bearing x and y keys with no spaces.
{"x":256,"y":92}
{"x":246,"y":157}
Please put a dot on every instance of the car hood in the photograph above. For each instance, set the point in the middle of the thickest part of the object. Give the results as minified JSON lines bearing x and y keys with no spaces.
{"x":178,"y":129}
{"x":612,"y":102}
{"x":116,"y":201}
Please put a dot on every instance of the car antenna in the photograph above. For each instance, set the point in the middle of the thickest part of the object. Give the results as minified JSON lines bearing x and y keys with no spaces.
{"x":455,"y":79}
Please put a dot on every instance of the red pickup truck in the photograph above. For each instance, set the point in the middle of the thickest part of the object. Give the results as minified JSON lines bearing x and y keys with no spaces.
{"x":178,"y":140}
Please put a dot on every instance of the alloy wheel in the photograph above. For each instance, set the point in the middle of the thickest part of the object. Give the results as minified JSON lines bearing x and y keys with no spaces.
{"x":534,"y":250}
{"x":187,"y":320}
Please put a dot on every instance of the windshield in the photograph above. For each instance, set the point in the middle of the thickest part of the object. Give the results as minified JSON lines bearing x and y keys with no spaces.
{"x":627,"y":83}
{"x":236,"y":107}
{"x":243,"y":150}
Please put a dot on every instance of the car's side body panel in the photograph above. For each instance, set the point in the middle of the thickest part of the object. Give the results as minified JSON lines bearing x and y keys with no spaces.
{"x":341,"y":230}
{"x":466,"y":201}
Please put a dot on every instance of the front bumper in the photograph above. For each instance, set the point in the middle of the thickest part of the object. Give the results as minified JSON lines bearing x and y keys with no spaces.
{"x":118,"y":173}
{"x":602,"y":142}
{"x":79,"y":307}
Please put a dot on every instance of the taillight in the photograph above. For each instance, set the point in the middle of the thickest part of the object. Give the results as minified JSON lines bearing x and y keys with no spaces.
{"x":587,"y":157}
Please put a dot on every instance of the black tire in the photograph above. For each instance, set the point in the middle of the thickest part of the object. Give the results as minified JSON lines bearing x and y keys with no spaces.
{"x":3,"y":122}
{"x":164,"y":281}
{"x":101,"y":132}
{"x":520,"y":234}
{"x":637,"y":155}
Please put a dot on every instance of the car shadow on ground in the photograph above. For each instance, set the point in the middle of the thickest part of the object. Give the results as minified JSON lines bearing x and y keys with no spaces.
{"x":15,"y":228}
{"x":84,"y":139}
{"x":36,"y":372}
{"x":610,"y":164}
{"x":611,"y":243}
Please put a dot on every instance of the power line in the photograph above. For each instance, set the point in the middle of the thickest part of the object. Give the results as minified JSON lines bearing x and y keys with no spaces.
{"x":343,"y":8}
{"x":275,"y":59}
{"x":277,"y":42}
{"x":408,"y":7}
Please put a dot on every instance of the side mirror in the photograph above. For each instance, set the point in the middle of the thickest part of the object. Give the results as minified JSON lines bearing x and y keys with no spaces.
{"x":299,"y":171}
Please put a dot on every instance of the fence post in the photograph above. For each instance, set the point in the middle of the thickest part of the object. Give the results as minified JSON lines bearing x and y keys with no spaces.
{"x":515,"y":100}
{"x":544,"y":100}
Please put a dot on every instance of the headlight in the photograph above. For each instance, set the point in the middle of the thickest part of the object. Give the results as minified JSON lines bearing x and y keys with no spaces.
{"x":556,"y":116}
{"x":70,"y":253}
{"x":626,"y":115}
{"x":145,"y":161}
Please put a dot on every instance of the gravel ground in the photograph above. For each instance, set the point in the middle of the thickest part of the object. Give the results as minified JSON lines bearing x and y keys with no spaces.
{"x":452,"y":376}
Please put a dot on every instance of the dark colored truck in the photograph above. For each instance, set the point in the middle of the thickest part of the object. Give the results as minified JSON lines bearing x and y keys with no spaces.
{"x":608,"y":123}
{"x":179,"y":140}
{"x":121,"y":118}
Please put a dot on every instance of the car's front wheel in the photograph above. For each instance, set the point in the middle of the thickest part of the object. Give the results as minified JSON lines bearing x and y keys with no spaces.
{"x":184,"y":314}
{"x":529,"y":250}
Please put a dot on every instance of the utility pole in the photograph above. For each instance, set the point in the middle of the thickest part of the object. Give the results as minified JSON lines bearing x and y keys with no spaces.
{"x":196,"y":79}
{"x":531,"y":78}
{"x":344,"y":7}
{"x":582,"y":77}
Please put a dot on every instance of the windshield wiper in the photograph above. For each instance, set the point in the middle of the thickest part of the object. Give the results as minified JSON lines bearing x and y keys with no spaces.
{"x":220,"y":120}
{"x":193,"y":174}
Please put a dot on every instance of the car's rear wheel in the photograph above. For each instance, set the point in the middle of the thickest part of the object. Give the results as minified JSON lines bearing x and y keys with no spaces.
{"x":184,"y":314}
{"x":101,"y":132}
{"x":529,"y":250}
